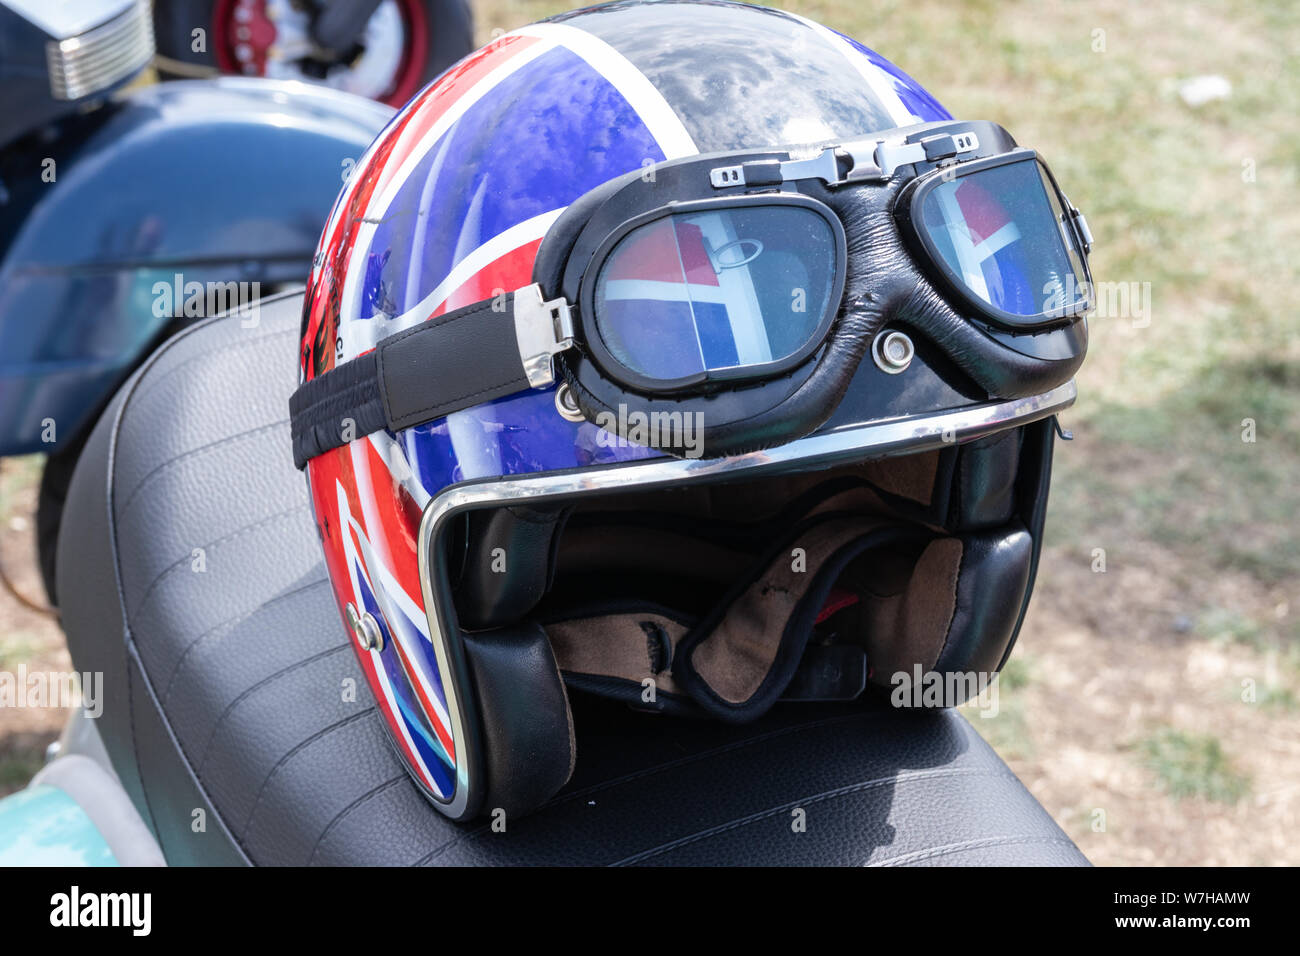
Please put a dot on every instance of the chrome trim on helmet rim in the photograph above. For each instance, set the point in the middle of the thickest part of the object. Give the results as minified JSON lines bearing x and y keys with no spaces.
{"x":880,"y":439}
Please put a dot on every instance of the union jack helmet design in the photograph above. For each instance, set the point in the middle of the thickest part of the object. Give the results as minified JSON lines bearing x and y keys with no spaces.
{"x":492,"y":560}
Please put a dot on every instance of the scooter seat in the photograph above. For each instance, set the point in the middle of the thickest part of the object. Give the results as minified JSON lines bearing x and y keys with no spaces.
{"x":240,"y":724}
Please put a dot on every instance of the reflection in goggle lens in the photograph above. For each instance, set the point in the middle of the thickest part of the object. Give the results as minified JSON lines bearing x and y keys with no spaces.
{"x":695,"y":292}
{"x":1003,"y":235}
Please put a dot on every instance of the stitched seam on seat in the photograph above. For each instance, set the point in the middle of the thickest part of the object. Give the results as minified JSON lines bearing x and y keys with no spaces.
{"x":459,"y":838}
{"x":212,"y":546}
{"x":263,"y":682}
{"x":230,"y":623}
{"x":296,"y":749}
{"x":202,"y":449}
{"x":130,"y":390}
{"x":650,"y":771}
{"x":128,"y":638}
{"x":951,"y":848}
{"x":135,"y":746}
{"x":822,"y":797}
{"x":338,"y":817}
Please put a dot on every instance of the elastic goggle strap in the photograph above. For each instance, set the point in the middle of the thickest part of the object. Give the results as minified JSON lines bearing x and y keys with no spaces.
{"x":448,"y":363}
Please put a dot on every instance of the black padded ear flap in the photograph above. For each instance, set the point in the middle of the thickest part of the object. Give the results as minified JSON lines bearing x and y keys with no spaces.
{"x":527,"y":729}
{"x":992,"y":587}
{"x":997,"y":506}
{"x":985,"y":482}
{"x":507,"y":564}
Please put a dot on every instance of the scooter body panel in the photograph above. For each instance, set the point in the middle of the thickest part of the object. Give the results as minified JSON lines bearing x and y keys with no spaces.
{"x":214,"y":182}
{"x":43,"y":826}
{"x":75,"y":811}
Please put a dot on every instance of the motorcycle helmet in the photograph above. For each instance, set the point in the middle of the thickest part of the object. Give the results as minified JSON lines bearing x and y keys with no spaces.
{"x":685,"y":353}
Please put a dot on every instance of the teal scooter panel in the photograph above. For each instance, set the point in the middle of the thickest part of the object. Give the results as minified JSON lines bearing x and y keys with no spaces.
{"x":43,"y":826}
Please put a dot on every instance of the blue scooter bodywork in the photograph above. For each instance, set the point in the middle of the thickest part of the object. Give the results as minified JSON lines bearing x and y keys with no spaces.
{"x":214,"y":181}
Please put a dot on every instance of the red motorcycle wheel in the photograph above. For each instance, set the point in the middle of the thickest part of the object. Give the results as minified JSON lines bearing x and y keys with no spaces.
{"x":269,"y":38}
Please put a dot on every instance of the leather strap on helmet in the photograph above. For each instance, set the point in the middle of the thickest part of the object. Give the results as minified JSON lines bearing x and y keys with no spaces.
{"x":443,"y":365}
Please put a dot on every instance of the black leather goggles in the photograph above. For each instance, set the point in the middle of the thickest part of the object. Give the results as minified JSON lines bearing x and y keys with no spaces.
{"x":746,"y":288}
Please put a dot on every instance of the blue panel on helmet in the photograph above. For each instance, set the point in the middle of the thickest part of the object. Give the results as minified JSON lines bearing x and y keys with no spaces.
{"x":914,"y":97}
{"x":538,"y":140}
{"x":518,"y":435}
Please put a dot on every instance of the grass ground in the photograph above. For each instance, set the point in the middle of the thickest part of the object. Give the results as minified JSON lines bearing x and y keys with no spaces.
{"x":1153,"y":705}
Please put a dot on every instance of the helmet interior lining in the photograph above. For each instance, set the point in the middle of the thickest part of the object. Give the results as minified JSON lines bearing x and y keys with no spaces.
{"x":630,"y":578}
{"x":724,"y":598}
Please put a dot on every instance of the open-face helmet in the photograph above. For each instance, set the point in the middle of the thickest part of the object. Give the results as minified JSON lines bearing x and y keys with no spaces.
{"x":689,"y":354}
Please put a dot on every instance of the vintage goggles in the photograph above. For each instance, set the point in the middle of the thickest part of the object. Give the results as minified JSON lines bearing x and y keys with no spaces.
{"x":748,"y":286}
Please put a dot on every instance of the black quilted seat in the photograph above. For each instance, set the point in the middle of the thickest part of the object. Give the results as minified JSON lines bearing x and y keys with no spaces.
{"x":191,"y":576}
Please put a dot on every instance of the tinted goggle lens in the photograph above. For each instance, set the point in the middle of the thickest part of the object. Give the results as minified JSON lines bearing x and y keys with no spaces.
{"x":1002,"y":234}
{"x":723,"y":290}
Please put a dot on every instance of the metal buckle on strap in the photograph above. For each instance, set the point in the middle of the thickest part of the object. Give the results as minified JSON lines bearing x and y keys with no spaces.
{"x":542,"y":329}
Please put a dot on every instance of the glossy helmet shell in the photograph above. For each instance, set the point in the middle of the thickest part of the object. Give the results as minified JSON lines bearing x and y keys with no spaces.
{"x":449,"y":206}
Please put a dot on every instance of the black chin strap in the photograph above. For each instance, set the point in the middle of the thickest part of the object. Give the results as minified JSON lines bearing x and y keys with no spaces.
{"x":446,"y":364}
{"x":753,"y":647}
